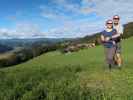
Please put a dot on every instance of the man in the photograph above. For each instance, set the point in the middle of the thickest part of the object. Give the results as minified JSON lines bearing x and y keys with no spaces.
{"x":117,"y":38}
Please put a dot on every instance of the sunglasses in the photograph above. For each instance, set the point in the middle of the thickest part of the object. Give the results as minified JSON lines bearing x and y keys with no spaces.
{"x":116,"y":18}
{"x":110,"y":23}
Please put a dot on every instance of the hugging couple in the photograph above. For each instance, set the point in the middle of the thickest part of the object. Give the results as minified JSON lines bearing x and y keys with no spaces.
{"x":111,"y":39}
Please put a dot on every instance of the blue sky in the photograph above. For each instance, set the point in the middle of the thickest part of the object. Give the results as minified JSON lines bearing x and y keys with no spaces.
{"x":59,"y":18}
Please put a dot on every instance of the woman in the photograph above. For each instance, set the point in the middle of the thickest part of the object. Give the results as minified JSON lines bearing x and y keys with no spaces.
{"x":109,"y":45}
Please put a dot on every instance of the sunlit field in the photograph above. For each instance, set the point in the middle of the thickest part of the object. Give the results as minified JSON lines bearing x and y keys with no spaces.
{"x":81,"y":75}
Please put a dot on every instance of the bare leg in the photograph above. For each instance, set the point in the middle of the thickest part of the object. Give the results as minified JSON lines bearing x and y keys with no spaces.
{"x":119,"y":59}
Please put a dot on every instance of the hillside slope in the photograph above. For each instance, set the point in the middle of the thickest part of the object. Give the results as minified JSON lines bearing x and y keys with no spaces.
{"x":76,"y":76}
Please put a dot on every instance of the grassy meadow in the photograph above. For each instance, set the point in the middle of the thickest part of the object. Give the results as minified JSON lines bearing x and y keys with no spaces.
{"x":81,"y":75}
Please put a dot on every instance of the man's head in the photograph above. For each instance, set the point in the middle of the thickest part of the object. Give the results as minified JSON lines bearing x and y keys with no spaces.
{"x":109,"y":24}
{"x":116,"y":19}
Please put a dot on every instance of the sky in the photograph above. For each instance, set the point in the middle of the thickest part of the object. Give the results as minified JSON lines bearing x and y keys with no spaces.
{"x":59,"y":18}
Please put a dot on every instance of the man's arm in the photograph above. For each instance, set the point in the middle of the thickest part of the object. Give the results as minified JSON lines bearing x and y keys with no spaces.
{"x":116,"y":35}
{"x":119,"y":33}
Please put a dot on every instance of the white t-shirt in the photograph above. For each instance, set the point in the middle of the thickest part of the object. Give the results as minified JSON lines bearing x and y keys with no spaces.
{"x":119,"y":28}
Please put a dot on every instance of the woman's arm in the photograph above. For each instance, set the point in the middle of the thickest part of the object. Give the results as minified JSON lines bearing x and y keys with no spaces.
{"x":102,"y":38}
{"x":105,"y":39}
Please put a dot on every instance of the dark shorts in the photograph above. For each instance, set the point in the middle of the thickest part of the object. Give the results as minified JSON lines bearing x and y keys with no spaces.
{"x":118,"y":47}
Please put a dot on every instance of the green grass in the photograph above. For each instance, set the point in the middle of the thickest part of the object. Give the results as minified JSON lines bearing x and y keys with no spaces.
{"x":81,"y":75}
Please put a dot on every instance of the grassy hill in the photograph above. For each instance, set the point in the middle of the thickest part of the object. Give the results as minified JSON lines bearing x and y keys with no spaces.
{"x":81,"y":75}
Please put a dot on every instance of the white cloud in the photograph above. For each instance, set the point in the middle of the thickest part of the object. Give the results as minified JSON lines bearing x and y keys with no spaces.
{"x":108,"y":8}
{"x":47,"y":12}
{"x":73,"y":29}
{"x":103,"y":8}
{"x":22,"y":30}
{"x":4,"y":33}
{"x":66,"y":5}
{"x":27,"y":29}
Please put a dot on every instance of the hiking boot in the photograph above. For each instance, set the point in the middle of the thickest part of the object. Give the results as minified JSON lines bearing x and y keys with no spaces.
{"x":119,"y":67}
{"x":110,"y":67}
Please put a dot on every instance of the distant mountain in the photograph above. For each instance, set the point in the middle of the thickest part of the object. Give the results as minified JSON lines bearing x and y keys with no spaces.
{"x":30,"y":41}
{"x":5,"y":48}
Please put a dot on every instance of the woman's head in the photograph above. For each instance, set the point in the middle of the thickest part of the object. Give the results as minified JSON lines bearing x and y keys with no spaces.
{"x":109,"y":24}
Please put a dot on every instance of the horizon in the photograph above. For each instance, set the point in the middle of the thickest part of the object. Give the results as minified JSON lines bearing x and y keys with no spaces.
{"x":59,"y":18}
